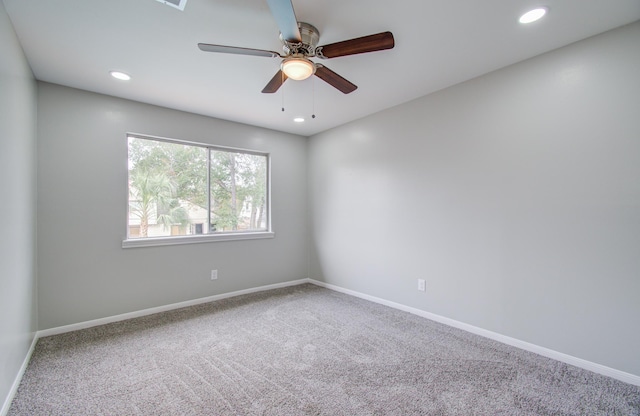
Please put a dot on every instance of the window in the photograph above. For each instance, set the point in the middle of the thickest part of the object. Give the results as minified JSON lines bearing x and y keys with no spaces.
{"x":182,"y":192}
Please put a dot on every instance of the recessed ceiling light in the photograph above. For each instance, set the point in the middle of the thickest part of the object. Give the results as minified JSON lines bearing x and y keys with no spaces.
{"x":120,"y":75}
{"x":533,"y":15}
{"x":298,"y":120}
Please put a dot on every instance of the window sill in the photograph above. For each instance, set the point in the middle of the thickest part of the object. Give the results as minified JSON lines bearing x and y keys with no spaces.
{"x":195,"y":239}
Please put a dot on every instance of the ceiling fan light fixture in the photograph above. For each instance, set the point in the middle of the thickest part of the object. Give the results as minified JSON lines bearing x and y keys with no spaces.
{"x":298,"y":68}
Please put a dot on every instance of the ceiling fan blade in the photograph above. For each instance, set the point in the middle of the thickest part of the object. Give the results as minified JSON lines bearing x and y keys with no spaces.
{"x":237,"y":51}
{"x":276,"y":82}
{"x":285,"y":16}
{"x":371,"y":43}
{"x":334,"y":79}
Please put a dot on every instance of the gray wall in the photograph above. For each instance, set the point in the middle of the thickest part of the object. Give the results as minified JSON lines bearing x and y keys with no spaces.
{"x":516,"y":196}
{"x":83,"y":272}
{"x":17,"y":206}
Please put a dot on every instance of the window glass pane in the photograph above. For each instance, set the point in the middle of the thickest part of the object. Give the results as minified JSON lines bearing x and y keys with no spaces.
{"x":167,"y":189}
{"x":172,"y":191}
{"x":238,"y":191}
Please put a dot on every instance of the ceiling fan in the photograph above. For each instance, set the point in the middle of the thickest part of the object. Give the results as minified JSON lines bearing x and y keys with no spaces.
{"x":300,"y":43}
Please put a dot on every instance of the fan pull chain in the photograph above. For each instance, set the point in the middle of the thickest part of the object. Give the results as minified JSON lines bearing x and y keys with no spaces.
{"x":282,"y":89}
{"x":313,"y":98}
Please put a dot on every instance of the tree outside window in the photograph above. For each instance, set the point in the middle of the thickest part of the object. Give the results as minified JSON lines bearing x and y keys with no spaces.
{"x":178,"y":188}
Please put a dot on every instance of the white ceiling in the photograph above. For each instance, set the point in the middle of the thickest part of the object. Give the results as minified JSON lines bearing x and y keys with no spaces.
{"x":438,"y":43}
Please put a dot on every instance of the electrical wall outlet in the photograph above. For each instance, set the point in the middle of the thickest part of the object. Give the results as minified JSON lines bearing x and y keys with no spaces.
{"x":214,"y":274}
{"x":422,"y":285}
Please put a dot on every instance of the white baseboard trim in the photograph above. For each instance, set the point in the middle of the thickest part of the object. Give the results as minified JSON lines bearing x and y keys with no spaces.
{"x":565,"y":358}
{"x":16,"y":383}
{"x":164,"y":308}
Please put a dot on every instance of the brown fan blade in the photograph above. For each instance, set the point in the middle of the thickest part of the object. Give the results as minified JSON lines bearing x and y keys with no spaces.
{"x":371,"y":43}
{"x":237,"y":51}
{"x":276,"y":82}
{"x":334,"y":79}
{"x":282,"y":11}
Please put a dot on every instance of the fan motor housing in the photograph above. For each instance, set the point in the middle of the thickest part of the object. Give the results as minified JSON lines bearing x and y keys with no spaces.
{"x":310,"y":36}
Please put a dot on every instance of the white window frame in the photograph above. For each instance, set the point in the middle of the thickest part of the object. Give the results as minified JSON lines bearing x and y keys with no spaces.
{"x":199,"y":238}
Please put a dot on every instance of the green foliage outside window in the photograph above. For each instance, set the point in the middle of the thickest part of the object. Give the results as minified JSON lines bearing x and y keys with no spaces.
{"x":171,"y":191}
